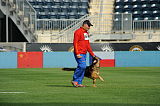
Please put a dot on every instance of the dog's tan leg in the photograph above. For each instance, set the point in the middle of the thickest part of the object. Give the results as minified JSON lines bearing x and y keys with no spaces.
{"x":94,"y":83}
{"x":100,"y":78}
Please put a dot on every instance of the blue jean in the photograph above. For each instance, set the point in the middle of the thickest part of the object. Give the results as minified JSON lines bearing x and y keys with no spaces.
{"x":80,"y":70}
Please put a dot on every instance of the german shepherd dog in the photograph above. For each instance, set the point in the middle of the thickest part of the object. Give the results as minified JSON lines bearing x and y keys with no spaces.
{"x":92,"y":71}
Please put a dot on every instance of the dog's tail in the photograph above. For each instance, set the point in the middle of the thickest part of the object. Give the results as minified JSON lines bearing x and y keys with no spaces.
{"x":101,"y":78}
{"x":68,"y":69}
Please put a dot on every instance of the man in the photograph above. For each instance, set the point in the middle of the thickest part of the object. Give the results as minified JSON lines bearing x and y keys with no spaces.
{"x":81,"y":47}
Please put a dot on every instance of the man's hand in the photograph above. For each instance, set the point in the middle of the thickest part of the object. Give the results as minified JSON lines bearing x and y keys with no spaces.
{"x":78,"y":56}
{"x":96,"y":57}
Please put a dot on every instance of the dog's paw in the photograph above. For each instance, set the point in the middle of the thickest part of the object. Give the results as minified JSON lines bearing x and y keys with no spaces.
{"x":94,"y":85}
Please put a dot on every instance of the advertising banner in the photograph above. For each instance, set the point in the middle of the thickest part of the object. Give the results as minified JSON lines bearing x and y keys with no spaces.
{"x":106,"y":47}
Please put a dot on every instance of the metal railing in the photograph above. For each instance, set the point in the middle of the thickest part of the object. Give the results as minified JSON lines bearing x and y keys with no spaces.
{"x":103,"y":24}
{"x":23,"y":15}
{"x":146,"y":26}
{"x":25,"y":12}
{"x":55,"y":26}
{"x":62,"y":30}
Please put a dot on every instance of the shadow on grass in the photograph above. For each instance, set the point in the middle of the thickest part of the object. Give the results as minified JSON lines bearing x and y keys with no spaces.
{"x":59,"y":86}
{"x":64,"y":86}
{"x":74,"y":104}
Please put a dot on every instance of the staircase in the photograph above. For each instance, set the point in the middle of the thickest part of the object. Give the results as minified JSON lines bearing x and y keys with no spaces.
{"x":66,"y":35}
{"x":104,"y":10}
{"x":23,"y":15}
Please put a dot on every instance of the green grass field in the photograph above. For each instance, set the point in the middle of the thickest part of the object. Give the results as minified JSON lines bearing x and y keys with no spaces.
{"x":139,"y":86}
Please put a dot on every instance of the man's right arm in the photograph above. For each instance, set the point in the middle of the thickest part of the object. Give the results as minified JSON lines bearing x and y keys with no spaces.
{"x":75,"y":43}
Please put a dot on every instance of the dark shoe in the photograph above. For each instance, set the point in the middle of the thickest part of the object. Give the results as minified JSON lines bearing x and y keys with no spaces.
{"x":75,"y":84}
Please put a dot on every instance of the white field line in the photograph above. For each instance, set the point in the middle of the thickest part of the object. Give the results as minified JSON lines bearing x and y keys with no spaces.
{"x":12,"y":92}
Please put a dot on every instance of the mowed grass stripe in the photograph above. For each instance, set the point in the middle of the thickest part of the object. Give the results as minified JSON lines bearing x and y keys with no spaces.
{"x":129,"y":85}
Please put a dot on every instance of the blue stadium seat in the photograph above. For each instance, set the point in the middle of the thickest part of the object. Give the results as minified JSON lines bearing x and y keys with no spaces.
{"x":56,"y":8}
{"x":83,"y":9}
{"x":136,"y":2}
{"x":38,"y":8}
{"x":73,"y":15}
{"x":40,"y":2}
{"x":127,"y":2}
{"x":137,"y":18}
{"x":82,"y":13}
{"x":156,"y":13}
{"x":47,"y":8}
{"x":146,"y":6}
{"x":119,"y":7}
{"x":147,"y":13}
{"x":32,"y":2}
{"x":148,"y":18}
{"x":155,"y":6}
{"x":128,"y":11}
{"x":127,"y":7}
{"x":53,"y":15}
{"x":154,"y":1}
{"x":63,"y":15}
{"x":119,"y":2}
{"x":44,"y":15}
{"x":58,"y":2}
{"x":67,"y":2}
{"x":74,"y":9}
{"x":85,"y":3}
{"x":118,"y":11}
{"x":137,"y":7}
{"x":49,"y":2}
{"x":76,"y":3}
{"x":145,"y":1}
{"x":65,"y":9}
{"x":138,"y":13}
{"x":157,"y":18}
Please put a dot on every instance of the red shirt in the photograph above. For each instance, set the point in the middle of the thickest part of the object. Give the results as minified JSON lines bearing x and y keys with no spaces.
{"x":81,"y":42}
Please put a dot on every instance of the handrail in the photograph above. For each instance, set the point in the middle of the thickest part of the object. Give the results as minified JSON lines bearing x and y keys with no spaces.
{"x":76,"y":22}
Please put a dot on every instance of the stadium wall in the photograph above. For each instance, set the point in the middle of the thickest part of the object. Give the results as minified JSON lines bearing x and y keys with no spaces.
{"x":66,"y":59}
{"x":137,"y":59}
{"x":60,"y":60}
{"x":8,"y":59}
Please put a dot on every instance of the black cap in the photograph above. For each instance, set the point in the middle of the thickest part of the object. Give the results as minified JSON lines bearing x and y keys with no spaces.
{"x":87,"y":22}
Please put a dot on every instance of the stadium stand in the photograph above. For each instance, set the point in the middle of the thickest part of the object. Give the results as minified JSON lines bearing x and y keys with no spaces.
{"x":137,"y":7}
{"x":54,"y":21}
{"x":62,"y":8}
{"x":114,"y":20}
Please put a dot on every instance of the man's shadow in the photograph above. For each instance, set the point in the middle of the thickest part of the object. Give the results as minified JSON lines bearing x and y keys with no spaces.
{"x":59,"y":86}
